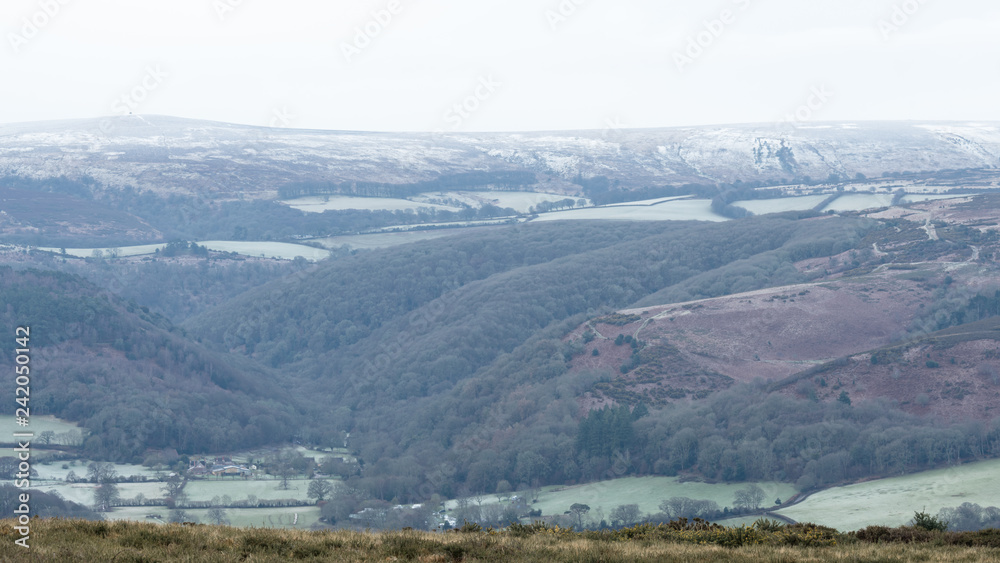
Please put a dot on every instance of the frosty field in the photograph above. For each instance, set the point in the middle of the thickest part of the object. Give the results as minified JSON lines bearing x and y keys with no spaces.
{"x":54,"y":471}
{"x":385,"y":240}
{"x":284,"y":517}
{"x":892,"y":502}
{"x":518,"y":201}
{"x":280,"y":250}
{"x":123,"y":251}
{"x":83,"y":493}
{"x":239,"y":489}
{"x":647,"y":202}
{"x":781,"y":204}
{"x":39,"y":424}
{"x":918,"y":198}
{"x":647,"y":492}
{"x":679,"y":210}
{"x":319,"y":204}
{"x":859,"y":202}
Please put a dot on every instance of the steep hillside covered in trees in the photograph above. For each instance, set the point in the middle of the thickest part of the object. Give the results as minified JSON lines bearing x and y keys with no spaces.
{"x":130,"y":378}
{"x":452,"y":349}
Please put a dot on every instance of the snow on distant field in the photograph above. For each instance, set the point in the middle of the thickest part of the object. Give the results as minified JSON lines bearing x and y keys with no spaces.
{"x":781,"y":204}
{"x":910,"y":187}
{"x":917,"y":198}
{"x":518,"y":201}
{"x":282,"y":250}
{"x":319,"y":204}
{"x":859,"y":202}
{"x":384,"y":240}
{"x":681,"y":210}
{"x":648,"y":201}
{"x":123,"y":251}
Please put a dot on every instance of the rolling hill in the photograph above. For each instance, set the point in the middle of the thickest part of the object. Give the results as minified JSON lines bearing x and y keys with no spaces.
{"x":170,"y":155}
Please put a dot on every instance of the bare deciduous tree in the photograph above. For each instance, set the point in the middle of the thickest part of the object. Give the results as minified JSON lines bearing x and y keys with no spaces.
{"x":749,"y":498}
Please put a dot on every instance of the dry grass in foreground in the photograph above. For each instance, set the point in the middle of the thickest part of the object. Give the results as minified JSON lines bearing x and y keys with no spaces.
{"x":66,"y":541}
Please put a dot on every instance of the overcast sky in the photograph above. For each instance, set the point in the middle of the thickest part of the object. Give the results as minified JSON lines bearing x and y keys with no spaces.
{"x":501,"y":65}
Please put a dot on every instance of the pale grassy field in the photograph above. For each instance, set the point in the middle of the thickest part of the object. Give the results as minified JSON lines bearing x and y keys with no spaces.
{"x":200,"y":490}
{"x":680,"y":210}
{"x":647,"y":202}
{"x":647,"y":492}
{"x":386,"y":240}
{"x":892,"y":502}
{"x":781,"y":204}
{"x":123,"y":251}
{"x":83,"y":493}
{"x":518,"y":201}
{"x":54,"y":471}
{"x":319,"y":204}
{"x":859,"y":202}
{"x":38,"y":425}
{"x":917,"y":198}
{"x":239,"y":489}
{"x":282,"y":250}
{"x":308,"y":516}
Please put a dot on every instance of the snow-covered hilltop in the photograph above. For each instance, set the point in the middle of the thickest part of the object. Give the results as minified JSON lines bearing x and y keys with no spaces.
{"x":168,"y":154}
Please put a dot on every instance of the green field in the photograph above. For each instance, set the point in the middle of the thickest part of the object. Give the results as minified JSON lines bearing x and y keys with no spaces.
{"x":892,"y":502}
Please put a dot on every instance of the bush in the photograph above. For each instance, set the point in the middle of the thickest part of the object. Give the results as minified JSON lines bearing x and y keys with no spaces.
{"x":519,"y":530}
{"x":804,"y":535}
{"x":903,"y":534}
{"x":767,"y":525}
{"x":469,"y":528}
{"x":981,"y":538}
{"x":927,"y":522}
{"x":873,"y":534}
